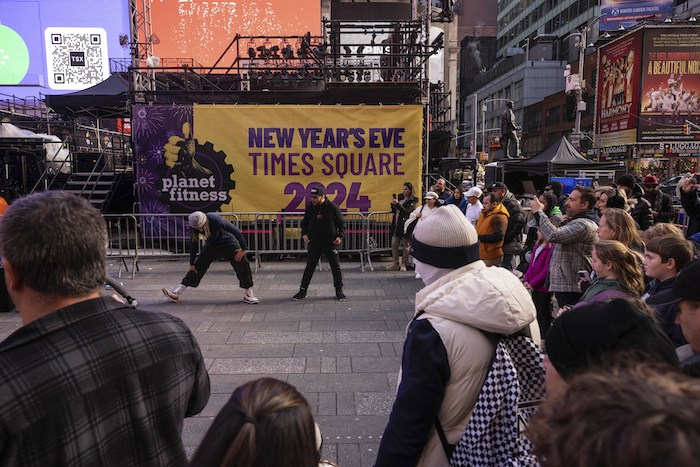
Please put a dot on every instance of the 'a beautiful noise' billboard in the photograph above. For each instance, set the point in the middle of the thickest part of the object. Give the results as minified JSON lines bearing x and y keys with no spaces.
{"x":670,"y":83}
{"x":266,"y":158}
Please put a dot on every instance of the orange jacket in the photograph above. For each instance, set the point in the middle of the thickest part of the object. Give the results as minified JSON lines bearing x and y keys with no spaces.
{"x":491,"y":228}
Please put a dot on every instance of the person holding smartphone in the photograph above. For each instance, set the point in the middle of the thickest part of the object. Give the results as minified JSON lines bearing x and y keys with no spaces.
{"x":401,"y":207}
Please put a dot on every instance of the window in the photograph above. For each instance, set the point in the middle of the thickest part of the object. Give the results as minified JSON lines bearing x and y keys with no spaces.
{"x":552,"y":116}
{"x":518,"y":91}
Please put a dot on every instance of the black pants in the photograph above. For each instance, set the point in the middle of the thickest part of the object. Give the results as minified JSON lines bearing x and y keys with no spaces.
{"x":211,"y":254}
{"x":543,"y":305}
{"x":567,"y":298}
{"x":315,"y":250}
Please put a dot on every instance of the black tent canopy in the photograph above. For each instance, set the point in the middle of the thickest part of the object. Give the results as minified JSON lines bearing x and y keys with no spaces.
{"x":107,"y":99}
{"x":556,"y":159}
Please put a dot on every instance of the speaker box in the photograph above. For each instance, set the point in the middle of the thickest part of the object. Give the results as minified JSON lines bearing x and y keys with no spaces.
{"x":493,"y":174}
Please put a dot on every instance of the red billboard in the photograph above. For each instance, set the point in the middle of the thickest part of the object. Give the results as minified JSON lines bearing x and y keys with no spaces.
{"x":201,"y":29}
{"x":618,"y":90}
{"x":670,"y":84}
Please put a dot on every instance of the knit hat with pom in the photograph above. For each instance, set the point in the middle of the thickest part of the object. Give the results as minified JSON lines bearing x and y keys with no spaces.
{"x":445,"y":239}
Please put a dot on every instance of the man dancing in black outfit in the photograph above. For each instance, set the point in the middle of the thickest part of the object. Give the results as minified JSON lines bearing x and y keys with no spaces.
{"x":322,"y":229}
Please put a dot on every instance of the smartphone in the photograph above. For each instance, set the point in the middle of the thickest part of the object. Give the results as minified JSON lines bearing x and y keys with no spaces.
{"x":584,"y":275}
{"x":393,"y":195}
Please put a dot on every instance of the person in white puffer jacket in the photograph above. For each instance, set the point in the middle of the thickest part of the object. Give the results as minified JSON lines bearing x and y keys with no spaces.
{"x":447,"y":356}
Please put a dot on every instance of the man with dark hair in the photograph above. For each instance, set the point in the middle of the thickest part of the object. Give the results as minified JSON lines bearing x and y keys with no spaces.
{"x":86,"y":380}
{"x":641,"y":208}
{"x":441,"y":189}
{"x":513,"y":240}
{"x":322,"y":229}
{"x":509,"y":132}
{"x":573,"y":242}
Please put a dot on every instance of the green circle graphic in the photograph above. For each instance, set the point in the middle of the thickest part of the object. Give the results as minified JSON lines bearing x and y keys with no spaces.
{"x":14,"y":56}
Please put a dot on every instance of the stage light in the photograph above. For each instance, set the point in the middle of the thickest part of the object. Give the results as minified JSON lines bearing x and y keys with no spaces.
{"x":288,"y":52}
{"x":264,"y":52}
{"x":251,"y":49}
{"x":347,"y":50}
{"x":692,"y":19}
{"x":124,"y":40}
{"x":360,"y":51}
{"x":273,"y":50}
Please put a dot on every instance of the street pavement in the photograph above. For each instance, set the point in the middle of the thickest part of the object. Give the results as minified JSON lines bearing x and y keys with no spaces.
{"x":343,"y":357}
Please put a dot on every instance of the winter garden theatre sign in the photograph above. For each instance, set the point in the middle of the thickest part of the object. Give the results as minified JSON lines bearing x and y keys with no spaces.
{"x":267,"y":158}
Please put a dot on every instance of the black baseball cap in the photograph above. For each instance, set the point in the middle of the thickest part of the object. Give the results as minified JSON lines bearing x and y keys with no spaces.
{"x":685,"y":287}
{"x":498,"y":185}
{"x":317,"y":191}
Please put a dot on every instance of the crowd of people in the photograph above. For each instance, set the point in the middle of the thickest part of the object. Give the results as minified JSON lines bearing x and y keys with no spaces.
{"x":583,"y":322}
{"x":604,"y":284}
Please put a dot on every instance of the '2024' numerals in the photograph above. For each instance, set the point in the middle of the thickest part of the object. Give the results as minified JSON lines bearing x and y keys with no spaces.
{"x":348,"y":195}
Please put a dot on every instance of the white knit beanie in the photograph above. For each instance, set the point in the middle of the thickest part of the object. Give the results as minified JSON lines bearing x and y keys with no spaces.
{"x":445,"y":239}
{"x":197,"y":219}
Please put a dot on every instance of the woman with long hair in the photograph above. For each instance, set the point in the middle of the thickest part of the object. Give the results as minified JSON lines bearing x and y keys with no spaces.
{"x":266,"y":423}
{"x":616,"y":224}
{"x":401,"y":207}
{"x":618,"y":274}
{"x":458,"y":199}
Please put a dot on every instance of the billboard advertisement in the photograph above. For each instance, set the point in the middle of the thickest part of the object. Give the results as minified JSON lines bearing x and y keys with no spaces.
{"x":203,"y":29}
{"x":627,"y":13}
{"x":670,"y":84}
{"x":54,"y":47}
{"x":261,"y":159}
{"x":618,"y":90}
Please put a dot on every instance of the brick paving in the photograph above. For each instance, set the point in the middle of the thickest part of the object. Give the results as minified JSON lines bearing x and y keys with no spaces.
{"x":343,"y":356}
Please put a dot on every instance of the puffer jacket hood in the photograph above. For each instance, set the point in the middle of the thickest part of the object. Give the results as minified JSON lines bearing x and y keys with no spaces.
{"x":487,"y":298}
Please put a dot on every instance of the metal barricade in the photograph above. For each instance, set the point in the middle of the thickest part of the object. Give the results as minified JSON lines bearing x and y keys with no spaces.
{"x":160,"y":235}
{"x":123,"y":241}
{"x":378,"y":238}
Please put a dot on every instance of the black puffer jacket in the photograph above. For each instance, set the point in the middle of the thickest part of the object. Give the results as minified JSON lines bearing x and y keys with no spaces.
{"x":400,"y":213}
{"x":516,"y":221}
{"x":641,"y":212}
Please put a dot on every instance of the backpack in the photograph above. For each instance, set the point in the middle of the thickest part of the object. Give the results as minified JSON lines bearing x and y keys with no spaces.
{"x":513,"y":388}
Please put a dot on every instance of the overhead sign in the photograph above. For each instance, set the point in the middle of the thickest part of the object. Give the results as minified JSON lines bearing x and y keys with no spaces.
{"x":267,"y":158}
{"x":626,"y":13}
{"x":670,"y":83}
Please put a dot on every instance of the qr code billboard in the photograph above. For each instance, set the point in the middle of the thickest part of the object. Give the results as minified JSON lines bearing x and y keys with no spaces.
{"x":76,"y":58}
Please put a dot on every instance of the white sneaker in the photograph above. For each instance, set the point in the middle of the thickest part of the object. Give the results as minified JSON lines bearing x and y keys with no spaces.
{"x":250,"y":298}
{"x":174,"y":297}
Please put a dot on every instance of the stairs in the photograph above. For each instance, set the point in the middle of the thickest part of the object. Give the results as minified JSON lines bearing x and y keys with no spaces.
{"x":96,"y":187}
